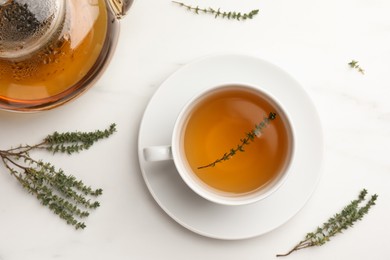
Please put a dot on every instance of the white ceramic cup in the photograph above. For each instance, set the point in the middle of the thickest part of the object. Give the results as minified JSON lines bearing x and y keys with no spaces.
{"x":175,"y":152}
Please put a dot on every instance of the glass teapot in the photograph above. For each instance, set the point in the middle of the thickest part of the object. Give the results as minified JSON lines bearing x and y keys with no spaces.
{"x":51,"y":51}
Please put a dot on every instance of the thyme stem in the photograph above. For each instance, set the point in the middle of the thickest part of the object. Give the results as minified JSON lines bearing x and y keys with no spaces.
{"x":250,"y":137}
{"x":14,"y":163}
{"x":27,"y":148}
{"x":354,"y":64}
{"x":336,"y":224}
{"x":63,"y":194}
{"x":218,"y":13}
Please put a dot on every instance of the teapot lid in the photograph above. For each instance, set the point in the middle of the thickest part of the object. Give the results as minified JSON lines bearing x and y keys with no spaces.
{"x":25,"y":25}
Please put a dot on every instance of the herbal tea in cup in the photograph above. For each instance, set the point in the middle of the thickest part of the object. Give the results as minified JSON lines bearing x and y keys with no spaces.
{"x":232,"y":144}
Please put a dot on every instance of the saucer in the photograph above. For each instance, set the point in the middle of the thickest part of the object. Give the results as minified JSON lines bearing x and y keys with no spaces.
{"x":194,"y":212}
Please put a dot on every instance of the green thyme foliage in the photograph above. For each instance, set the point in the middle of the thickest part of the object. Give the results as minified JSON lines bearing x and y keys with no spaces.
{"x":354,"y":64}
{"x":63,"y":194}
{"x":75,"y":141}
{"x":218,"y":13}
{"x":250,"y":137}
{"x":337,"y":224}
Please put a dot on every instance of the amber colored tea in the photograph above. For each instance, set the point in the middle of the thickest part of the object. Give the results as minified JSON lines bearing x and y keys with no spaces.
{"x":61,"y":64}
{"x":218,"y":123}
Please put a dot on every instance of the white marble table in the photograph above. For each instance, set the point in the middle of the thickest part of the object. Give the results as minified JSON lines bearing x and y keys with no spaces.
{"x":312,"y":40}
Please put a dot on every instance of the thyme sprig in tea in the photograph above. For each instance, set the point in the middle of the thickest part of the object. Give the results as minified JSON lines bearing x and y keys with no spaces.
{"x":250,"y":137}
{"x":218,"y":13}
{"x":63,"y":194}
{"x":336,"y":224}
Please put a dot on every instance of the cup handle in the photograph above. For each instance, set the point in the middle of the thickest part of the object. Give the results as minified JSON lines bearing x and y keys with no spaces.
{"x":158,"y":153}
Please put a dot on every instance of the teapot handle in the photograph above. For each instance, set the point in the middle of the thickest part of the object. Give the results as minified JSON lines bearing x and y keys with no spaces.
{"x":120,"y":7}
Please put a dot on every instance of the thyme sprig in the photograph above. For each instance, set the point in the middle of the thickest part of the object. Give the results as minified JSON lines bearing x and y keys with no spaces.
{"x":336,"y":224}
{"x":250,"y":137}
{"x":218,"y":13}
{"x":63,"y":194}
{"x":354,"y":64}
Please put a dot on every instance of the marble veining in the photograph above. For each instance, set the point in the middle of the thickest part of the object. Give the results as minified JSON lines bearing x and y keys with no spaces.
{"x":312,"y":40}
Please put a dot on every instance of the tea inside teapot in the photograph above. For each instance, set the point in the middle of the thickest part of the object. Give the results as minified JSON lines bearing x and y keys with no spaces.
{"x":51,"y":50}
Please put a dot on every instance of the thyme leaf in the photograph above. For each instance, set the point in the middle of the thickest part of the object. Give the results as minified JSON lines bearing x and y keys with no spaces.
{"x":354,"y":64}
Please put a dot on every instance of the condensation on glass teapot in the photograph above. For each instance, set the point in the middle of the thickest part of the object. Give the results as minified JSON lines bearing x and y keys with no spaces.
{"x":53,"y":50}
